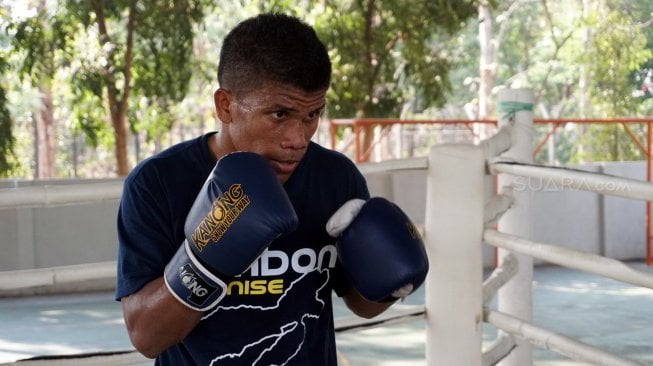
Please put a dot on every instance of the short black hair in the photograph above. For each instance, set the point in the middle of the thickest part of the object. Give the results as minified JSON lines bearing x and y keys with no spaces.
{"x":273,"y":47}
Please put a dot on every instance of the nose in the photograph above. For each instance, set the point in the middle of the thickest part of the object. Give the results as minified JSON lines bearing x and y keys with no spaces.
{"x":294,"y":136}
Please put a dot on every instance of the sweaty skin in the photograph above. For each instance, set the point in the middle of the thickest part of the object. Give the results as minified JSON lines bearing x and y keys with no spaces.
{"x":275,"y":121}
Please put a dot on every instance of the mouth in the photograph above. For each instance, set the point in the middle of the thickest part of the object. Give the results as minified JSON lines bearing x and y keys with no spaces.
{"x":284,"y":167}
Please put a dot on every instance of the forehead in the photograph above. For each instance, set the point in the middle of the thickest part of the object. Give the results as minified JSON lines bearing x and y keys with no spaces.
{"x":273,"y":94}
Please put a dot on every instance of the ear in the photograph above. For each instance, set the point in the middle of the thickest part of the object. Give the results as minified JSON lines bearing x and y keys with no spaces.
{"x":222,"y":101}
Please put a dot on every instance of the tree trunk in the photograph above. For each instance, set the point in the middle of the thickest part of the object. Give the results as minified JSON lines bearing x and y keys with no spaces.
{"x":486,"y":61}
{"x":45,"y":129}
{"x":45,"y":136}
{"x":368,"y":138}
{"x":368,"y":130}
{"x":120,"y":131}
{"x":118,"y":102}
{"x":583,"y":80}
{"x":486,"y":68}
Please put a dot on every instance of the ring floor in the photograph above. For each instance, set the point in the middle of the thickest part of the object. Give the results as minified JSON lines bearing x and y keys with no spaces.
{"x":601,"y":312}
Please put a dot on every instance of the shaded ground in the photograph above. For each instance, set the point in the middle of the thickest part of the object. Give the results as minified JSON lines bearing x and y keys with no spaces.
{"x":601,"y":312}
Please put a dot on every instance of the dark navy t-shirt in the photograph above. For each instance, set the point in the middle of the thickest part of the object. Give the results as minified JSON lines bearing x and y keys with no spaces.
{"x":279,"y":311}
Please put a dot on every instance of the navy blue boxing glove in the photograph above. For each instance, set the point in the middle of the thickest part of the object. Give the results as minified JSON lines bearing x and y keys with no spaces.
{"x":380,"y":248}
{"x":239,"y":211}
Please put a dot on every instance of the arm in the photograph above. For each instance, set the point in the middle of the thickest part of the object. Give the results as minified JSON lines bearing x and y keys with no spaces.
{"x":363,"y":307}
{"x":155,"y":319}
{"x":240,"y":209}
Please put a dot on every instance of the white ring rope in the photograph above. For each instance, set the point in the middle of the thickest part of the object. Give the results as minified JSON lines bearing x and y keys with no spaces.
{"x":497,"y":143}
{"x":497,"y":206}
{"x":498,"y":349}
{"x":570,"y":258}
{"x":544,"y":338}
{"x":499,"y":277}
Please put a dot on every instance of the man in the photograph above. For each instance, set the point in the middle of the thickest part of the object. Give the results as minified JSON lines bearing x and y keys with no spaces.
{"x":202,"y":288}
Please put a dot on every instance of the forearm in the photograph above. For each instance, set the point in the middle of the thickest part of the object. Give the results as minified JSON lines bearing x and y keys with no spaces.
{"x":156,"y":320}
{"x":363,"y":307}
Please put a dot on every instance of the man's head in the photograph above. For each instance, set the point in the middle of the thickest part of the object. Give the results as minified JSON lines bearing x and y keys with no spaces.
{"x":274,"y":74}
{"x":273,"y":47}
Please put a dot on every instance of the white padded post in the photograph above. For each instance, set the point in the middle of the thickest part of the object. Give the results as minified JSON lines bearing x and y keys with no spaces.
{"x":515,"y":298}
{"x":453,"y":233}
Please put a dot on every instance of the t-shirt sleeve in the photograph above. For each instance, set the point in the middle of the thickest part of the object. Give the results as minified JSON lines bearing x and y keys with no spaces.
{"x":146,"y":239}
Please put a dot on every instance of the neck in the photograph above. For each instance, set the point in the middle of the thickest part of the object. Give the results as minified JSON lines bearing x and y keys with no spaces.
{"x":220,"y":145}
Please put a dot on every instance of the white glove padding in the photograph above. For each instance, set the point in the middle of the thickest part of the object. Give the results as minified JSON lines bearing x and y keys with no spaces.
{"x":404,"y":291}
{"x":344,"y":216}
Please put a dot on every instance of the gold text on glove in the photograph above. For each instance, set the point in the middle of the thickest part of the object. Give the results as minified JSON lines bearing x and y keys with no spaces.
{"x":224,"y":211}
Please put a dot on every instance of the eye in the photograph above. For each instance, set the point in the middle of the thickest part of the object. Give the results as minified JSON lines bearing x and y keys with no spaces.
{"x":280,"y":114}
{"x":315,"y":114}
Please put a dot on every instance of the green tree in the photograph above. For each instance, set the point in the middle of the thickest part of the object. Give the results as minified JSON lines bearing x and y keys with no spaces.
{"x":389,"y":53}
{"x":640,"y":14}
{"x":7,"y":140}
{"x":145,"y":52}
{"x":619,"y":49}
{"x":43,"y":44}
{"x":567,"y":56}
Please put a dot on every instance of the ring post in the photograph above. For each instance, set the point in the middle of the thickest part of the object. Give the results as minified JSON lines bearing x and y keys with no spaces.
{"x":453,"y":233}
{"x":515,"y":298}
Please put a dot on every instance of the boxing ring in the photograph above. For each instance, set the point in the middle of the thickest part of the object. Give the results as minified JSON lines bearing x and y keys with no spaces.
{"x":460,"y":217}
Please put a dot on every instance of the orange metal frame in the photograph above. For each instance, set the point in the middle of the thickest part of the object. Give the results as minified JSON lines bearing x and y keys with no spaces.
{"x":358,"y":124}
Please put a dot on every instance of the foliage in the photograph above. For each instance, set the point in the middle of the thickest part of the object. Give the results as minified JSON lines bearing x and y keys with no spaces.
{"x":40,"y":39}
{"x":162,"y":55}
{"x":541,"y":45}
{"x":640,"y":14}
{"x":7,"y":140}
{"x":391,"y":58}
{"x":387,"y":53}
{"x":8,"y":161}
{"x":618,"y":51}
{"x":141,"y":56}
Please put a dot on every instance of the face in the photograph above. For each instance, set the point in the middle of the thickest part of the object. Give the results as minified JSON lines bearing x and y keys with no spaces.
{"x":275,"y":121}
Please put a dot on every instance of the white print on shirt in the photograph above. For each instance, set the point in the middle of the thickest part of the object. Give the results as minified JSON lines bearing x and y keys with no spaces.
{"x":265,"y":350}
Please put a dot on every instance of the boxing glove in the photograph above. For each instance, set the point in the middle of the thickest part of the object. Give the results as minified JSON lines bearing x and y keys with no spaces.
{"x":240,"y":210}
{"x":380,"y":248}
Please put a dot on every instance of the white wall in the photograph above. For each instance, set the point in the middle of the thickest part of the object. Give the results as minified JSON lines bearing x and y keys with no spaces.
{"x":54,"y":236}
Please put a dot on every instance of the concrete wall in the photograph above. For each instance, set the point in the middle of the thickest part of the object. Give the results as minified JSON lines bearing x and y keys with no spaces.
{"x":65,"y":235}
{"x":56,"y":236}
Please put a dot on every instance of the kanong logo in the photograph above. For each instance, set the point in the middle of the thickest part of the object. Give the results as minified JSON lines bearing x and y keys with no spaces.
{"x":199,"y":289}
{"x":224,"y":211}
